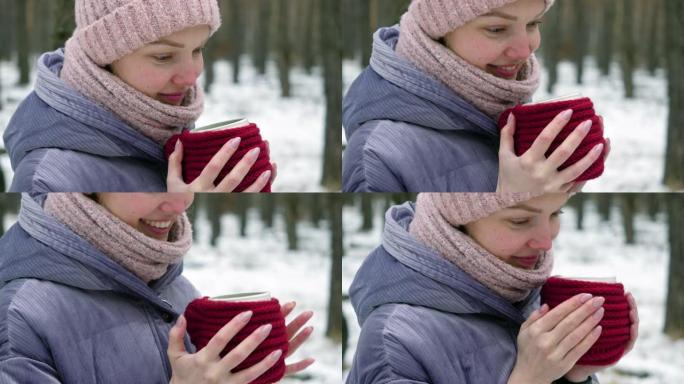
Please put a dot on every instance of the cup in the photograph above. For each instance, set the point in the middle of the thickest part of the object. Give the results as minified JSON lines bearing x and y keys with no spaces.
{"x":615,"y":324}
{"x":206,"y":316}
{"x":531,"y":119}
{"x":201,"y":144}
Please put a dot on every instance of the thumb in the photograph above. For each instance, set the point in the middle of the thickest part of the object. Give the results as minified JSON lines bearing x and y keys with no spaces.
{"x":175,"y":171}
{"x":506,"y":143}
{"x":176,"y":345}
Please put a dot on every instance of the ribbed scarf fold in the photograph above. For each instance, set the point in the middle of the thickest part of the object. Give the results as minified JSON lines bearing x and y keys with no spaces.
{"x":146,"y":257}
{"x":490,"y":94}
{"x":153,"y":118}
{"x":513,"y":284}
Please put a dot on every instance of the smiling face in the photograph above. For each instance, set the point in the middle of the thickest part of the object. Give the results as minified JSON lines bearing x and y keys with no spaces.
{"x":166,"y":69}
{"x":501,"y":41}
{"x":152,"y":214}
{"x":519,"y":234}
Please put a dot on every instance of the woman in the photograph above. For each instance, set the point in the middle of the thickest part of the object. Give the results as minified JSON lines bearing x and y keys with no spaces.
{"x":104,"y":106}
{"x":422,"y":117}
{"x":452,"y":296}
{"x":90,"y":288}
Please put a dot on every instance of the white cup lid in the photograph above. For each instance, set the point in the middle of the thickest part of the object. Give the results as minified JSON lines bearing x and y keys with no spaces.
{"x":247,"y":296}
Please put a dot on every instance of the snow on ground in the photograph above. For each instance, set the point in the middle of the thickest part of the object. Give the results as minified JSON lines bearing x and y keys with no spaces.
{"x":637,"y":128}
{"x":596,"y":251}
{"x":261,"y":262}
{"x":293,"y":127}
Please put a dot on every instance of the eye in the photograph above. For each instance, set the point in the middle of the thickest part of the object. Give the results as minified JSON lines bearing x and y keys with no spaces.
{"x":519,"y":222}
{"x":535,"y":24}
{"x":198,"y":51}
{"x":557,"y":213}
{"x":496,"y":30}
{"x":163,"y":58}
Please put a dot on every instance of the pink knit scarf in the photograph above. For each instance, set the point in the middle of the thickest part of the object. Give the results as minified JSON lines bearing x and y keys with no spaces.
{"x":153,"y":118}
{"x":142,"y":255}
{"x":490,"y":94}
{"x":513,"y":284}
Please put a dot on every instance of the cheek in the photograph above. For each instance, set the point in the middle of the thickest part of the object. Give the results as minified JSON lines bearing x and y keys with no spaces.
{"x":476,"y":49}
{"x":150,"y":80}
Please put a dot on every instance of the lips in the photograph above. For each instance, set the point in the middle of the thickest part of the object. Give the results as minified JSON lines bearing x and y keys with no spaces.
{"x":156,"y":228}
{"x":527,"y":262}
{"x":171,"y":98}
{"x":505,"y":71}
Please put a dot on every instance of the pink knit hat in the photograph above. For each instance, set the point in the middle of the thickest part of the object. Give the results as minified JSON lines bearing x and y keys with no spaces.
{"x":463,"y":208}
{"x":439,"y":17}
{"x":110,"y":29}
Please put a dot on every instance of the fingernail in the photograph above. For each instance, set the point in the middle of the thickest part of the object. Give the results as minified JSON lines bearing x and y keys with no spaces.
{"x":275,"y":354}
{"x":566,"y":114}
{"x":266,"y":175}
{"x":175,"y":148}
{"x":180,"y":319}
{"x":598,"y":148}
{"x":234,"y":142}
{"x":585,"y":297}
{"x":598,"y":301}
{"x":586,"y":126}
{"x":597,"y":330}
{"x":244,"y":316}
{"x":308,"y":329}
{"x":254,"y":152}
{"x":265,"y":329}
{"x":599,"y":313}
{"x":510,"y":118}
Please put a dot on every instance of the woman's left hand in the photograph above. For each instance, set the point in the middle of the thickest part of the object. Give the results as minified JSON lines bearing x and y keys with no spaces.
{"x":580,"y":372}
{"x":296,"y":338}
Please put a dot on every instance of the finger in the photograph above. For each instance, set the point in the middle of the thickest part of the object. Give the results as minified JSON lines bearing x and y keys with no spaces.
{"x":214,"y":347}
{"x":268,"y":147}
{"x":287,"y":308}
{"x":259,"y":183}
{"x":608,"y":148}
{"x":238,"y":354}
{"x":175,"y":169}
{"x":576,"y":318}
{"x":561,"y":154}
{"x":274,"y":166}
{"x":578,"y":334}
{"x":176,"y":346}
{"x":506,"y":141}
{"x":574,"y":171}
{"x":536,"y":315}
{"x":298,"y":340}
{"x":238,"y":173}
{"x":634,"y":319}
{"x":298,"y":323}
{"x":583,"y":346}
{"x":542,"y":143}
{"x":256,"y":370}
{"x":551,"y":319}
{"x":206,"y":179}
{"x":299,"y":366}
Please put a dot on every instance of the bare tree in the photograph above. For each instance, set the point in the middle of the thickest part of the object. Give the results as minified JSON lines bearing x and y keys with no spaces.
{"x":674,"y":309}
{"x":582,"y":36}
{"x":334,"y":328}
{"x":674,"y":154}
{"x":23,"y":48}
{"x":331,"y":48}
{"x":628,"y":61}
{"x":628,"y":208}
{"x":284,"y":48}
{"x":261,"y":39}
{"x":606,"y":36}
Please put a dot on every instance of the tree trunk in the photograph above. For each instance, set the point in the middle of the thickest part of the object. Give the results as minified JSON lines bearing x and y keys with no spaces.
{"x":364,"y":33}
{"x":551,"y":42}
{"x":603,"y":205}
{"x":267,"y":206}
{"x":317,"y":202}
{"x":674,"y":154}
{"x":334,"y":328}
{"x":366,"y":211}
{"x":242,"y":204}
{"x":291,"y":220}
{"x":628,"y":208}
{"x":236,"y":37}
{"x":628,"y":47}
{"x":262,"y":36}
{"x":654,"y":40}
{"x":284,"y":48}
{"x":209,"y":59}
{"x":309,"y":43}
{"x":64,"y":22}
{"x":582,"y":39}
{"x":214,"y":212}
{"x":331,"y":49}
{"x":606,"y":36}
{"x":674,"y":308}
{"x":23,"y":48}
{"x":578,"y":203}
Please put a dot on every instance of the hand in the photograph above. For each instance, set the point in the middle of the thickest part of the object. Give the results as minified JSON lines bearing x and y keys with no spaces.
{"x":205,"y":181}
{"x":207,"y":366}
{"x":533,"y":172}
{"x":551,"y":341}
{"x":296,"y":339}
{"x":581,"y":372}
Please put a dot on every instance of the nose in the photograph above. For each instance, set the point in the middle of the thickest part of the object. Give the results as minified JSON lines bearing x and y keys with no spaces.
{"x":542,"y":239}
{"x":521,"y":47}
{"x":177,"y":203}
{"x":187,"y":73}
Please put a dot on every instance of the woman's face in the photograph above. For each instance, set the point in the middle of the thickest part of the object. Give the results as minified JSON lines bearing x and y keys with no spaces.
{"x":150,"y":213}
{"x":501,"y":41}
{"x":165,"y":69}
{"x":519,"y":234}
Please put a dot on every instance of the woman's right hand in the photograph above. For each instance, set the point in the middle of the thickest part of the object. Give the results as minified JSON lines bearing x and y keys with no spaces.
{"x":551,"y":342}
{"x":205,"y":181}
{"x":532,"y":171}
{"x":207,"y":366}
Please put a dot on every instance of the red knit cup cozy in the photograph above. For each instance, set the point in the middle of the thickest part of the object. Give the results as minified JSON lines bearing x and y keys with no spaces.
{"x":205,"y":317}
{"x":530,"y":120}
{"x":615,"y":324}
{"x":200,"y":147}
